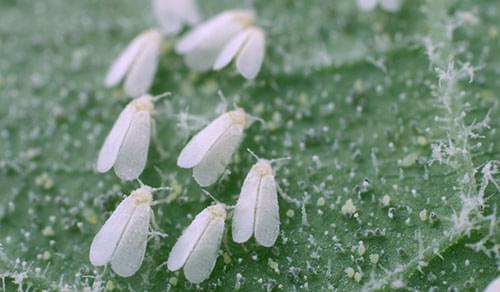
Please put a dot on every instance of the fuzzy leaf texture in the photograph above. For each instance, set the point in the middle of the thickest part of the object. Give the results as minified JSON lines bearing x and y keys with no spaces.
{"x":390,"y":120}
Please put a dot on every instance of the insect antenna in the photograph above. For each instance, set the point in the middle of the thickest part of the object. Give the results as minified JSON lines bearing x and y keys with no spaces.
{"x":253,"y":154}
{"x":280,"y":159}
{"x":160,"y":96}
{"x":207,"y":193}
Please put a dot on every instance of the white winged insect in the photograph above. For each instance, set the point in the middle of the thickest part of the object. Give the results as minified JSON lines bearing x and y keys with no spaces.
{"x":173,"y":14}
{"x":494,"y":286}
{"x":126,"y":146}
{"x":257,"y":210}
{"x":137,"y":64}
{"x":387,"y":5}
{"x":198,"y":247}
{"x":122,"y":240}
{"x":227,"y":36}
{"x":209,"y":151}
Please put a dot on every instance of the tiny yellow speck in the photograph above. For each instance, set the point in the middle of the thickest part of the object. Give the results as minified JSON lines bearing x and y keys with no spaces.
{"x":359,"y":86}
{"x":275,"y":122}
{"x":374,"y":258}
{"x":166,"y":48}
{"x":210,"y":87}
{"x":173,"y":281}
{"x":227,"y":258}
{"x":423,"y":215}
{"x":258,"y":109}
{"x":320,"y":202}
{"x":175,"y":191}
{"x":488,"y":95}
{"x":90,"y":216}
{"x":409,"y":160}
{"x":290,"y":213}
{"x":493,"y":32}
{"x":421,"y":140}
{"x":110,"y":286}
{"x":349,"y":272}
{"x":186,"y":88}
{"x":303,"y":98}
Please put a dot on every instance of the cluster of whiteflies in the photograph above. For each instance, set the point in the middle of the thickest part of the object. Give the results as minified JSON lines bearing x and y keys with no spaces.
{"x":122,"y":240}
{"x":213,"y":44}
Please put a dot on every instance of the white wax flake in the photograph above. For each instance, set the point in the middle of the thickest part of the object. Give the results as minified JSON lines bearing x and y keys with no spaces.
{"x":409,"y":160}
{"x":46,"y":255}
{"x":137,"y":64}
{"x":320,"y":202}
{"x":358,"y":276}
{"x":48,"y":231}
{"x":198,"y":247}
{"x":348,"y":208}
{"x":45,"y":181}
{"x":423,"y":215}
{"x":386,"y":200}
{"x":361,"y":248}
{"x":227,"y":36}
{"x":349,"y":272}
{"x":173,"y":281}
{"x":257,"y":210}
{"x":421,"y":140}
{"x":494,"y":286}
{"x":387,"y":5}
{"x":227,"y":258}
{"x":273,"y":265}
{"x":398,"y":284}
{"x":237,"y":284}
{"x":210,"y":151}
{"x":126,"y":146}
{"x":122,"y":239}
{"x":374,"y":258}
{"x":173,"y":14}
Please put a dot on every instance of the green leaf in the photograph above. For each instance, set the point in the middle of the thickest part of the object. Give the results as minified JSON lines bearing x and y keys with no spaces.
{"x":390,"y":120}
